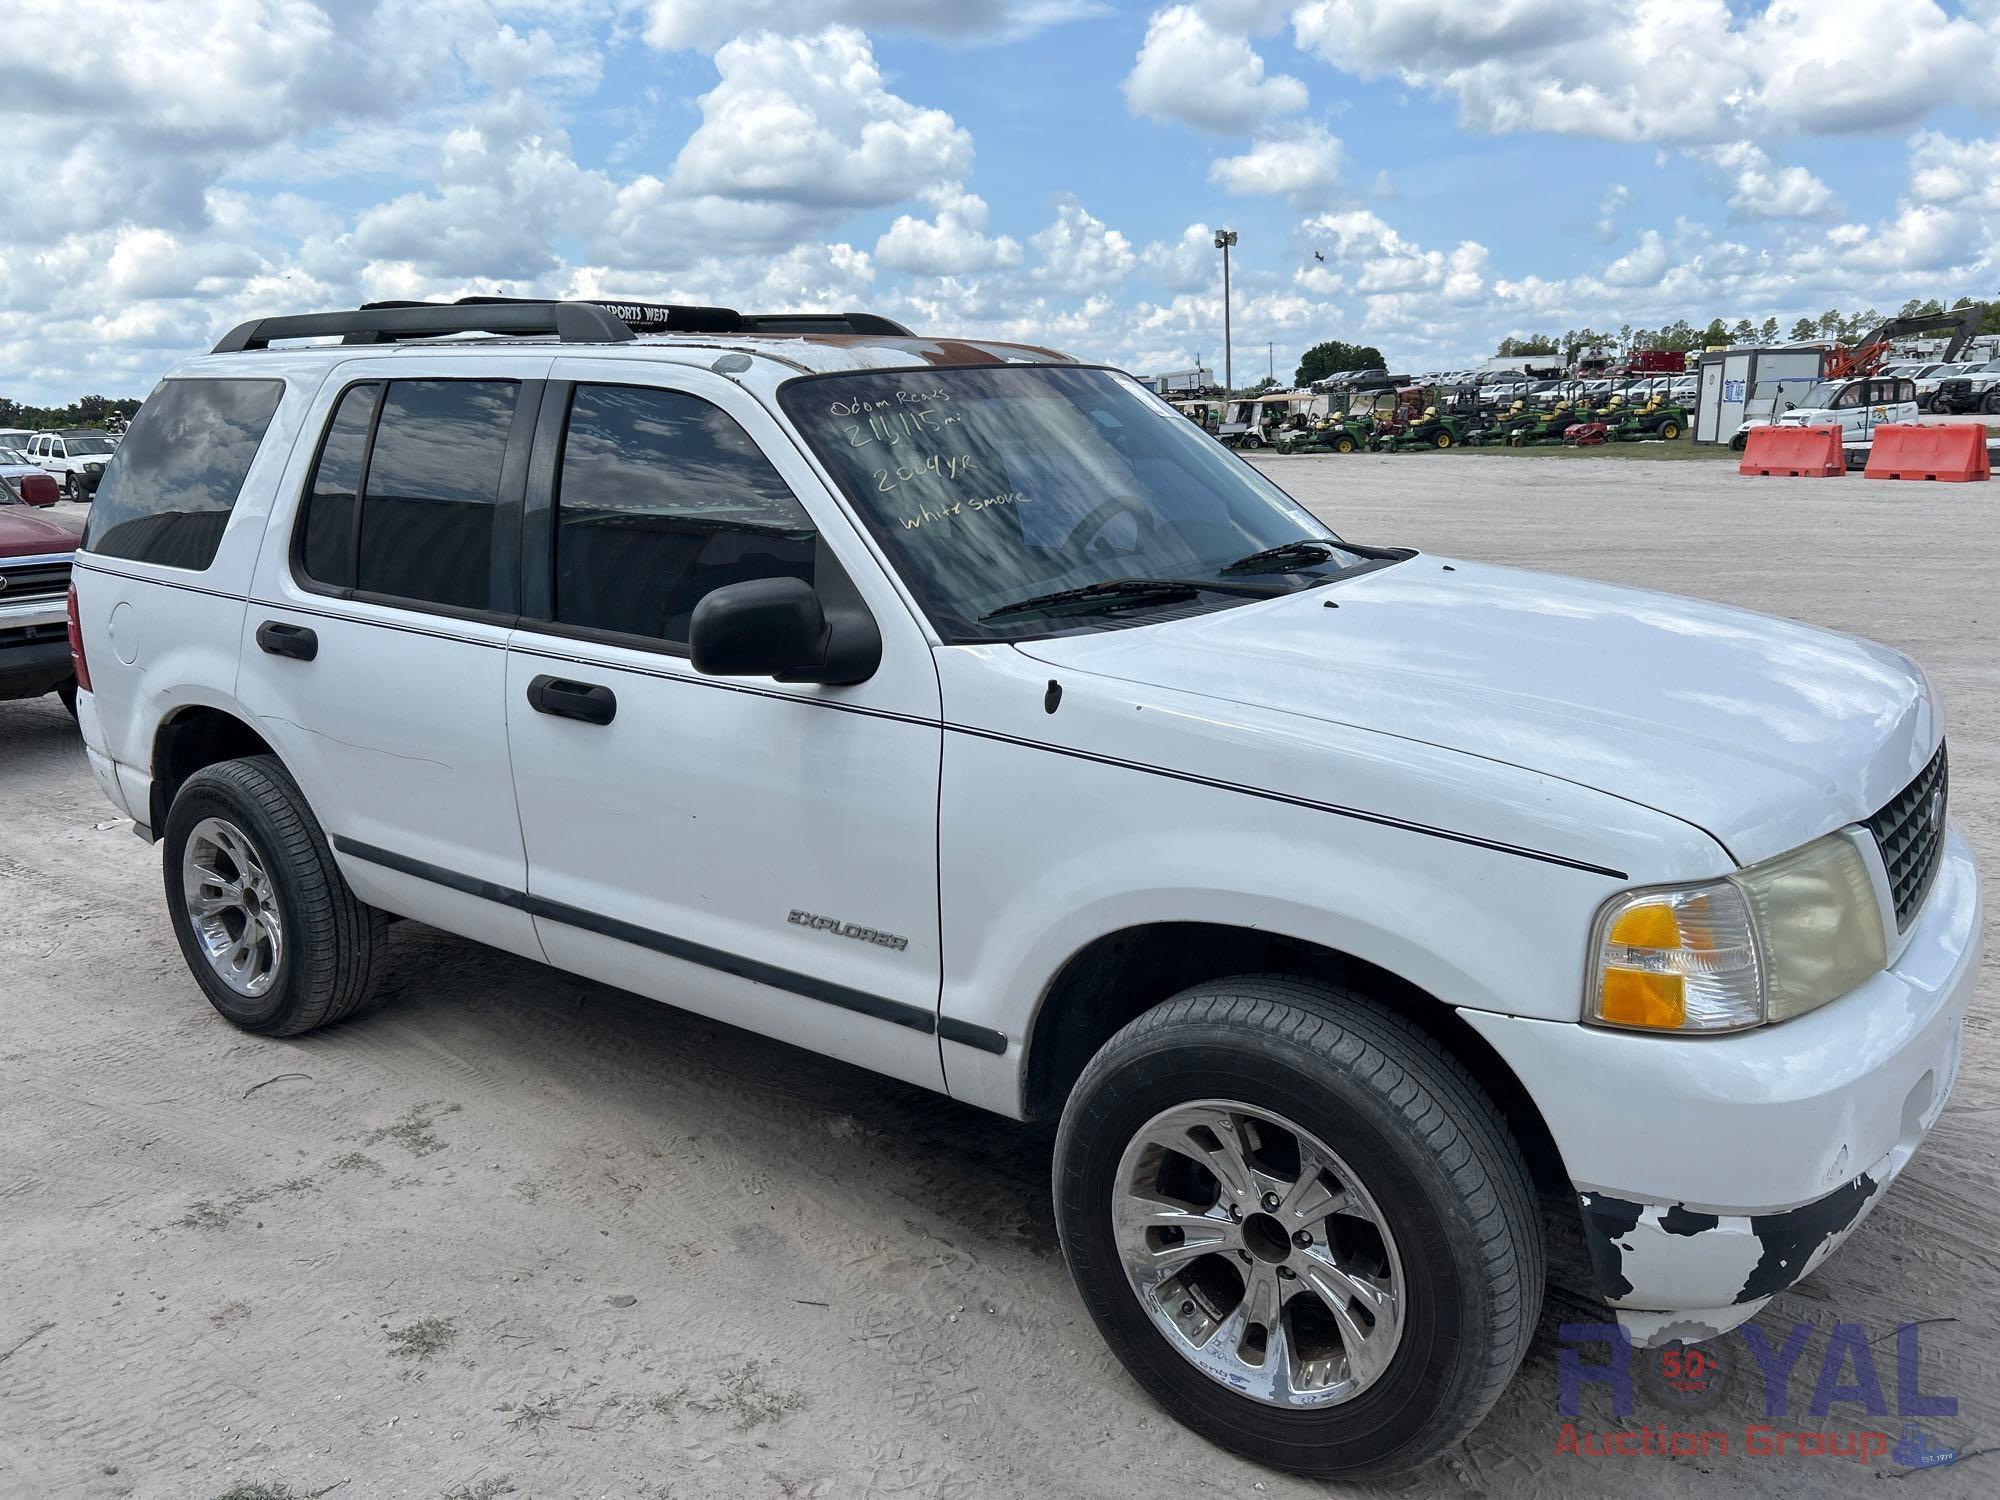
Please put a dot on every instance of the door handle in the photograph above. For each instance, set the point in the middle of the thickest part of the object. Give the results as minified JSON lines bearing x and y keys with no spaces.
{"x":572,"y":700}
{"x":276,"y":638}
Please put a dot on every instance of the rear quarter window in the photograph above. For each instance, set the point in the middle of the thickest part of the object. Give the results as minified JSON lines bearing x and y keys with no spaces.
{"x":167,"y":494}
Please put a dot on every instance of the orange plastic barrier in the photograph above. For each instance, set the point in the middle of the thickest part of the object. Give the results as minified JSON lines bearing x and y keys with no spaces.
{"x":1949,"y":451}
{"x":1799,"y":452}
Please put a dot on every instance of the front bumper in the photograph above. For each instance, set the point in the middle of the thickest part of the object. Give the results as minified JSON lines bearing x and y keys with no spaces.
{"x":34,"y":648}
{"x":1714,"y":1172}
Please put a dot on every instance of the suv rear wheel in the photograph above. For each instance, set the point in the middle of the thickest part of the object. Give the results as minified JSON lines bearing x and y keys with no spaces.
{"x":271,"y":932}
{"x":1300,"y":1224}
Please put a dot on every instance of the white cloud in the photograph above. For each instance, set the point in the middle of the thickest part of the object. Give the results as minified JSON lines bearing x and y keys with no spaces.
{"x":807,"y":121}
{"x":1213,"y":80}
{"x":1958,"y":174}
{"x":1684,"y":71}
{"x":1081,"y":253}
{"x":1613,"y":203}
{"x":1319,"y":279}
{"x":1255,"y":16}
{"x":952,"y":243}
{"x":506,"y":183}
{"x":1302,"y":164}
{"x":1760,"y":189}
{"x":1643,"y":265}
{"x":1187,"y":264}
{"x":1377,"y":259}
{"x":704,"y":24}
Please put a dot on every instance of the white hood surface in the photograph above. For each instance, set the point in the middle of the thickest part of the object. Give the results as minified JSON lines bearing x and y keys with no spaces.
{"x":1763,"y":732}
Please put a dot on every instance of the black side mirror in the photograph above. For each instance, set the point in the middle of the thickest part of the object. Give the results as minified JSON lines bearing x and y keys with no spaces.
{"x":778,"y":627}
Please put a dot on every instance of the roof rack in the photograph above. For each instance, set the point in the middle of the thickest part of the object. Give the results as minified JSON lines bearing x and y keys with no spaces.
{"x":570,"y":322}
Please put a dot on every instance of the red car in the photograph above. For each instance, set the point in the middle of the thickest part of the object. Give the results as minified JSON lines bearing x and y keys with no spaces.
{"x":35,"y":555}
{"x":26,"y":481}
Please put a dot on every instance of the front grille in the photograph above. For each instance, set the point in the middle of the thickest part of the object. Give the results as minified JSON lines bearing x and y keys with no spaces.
{"x":1910,"y":834}
{"x":33,"y":581}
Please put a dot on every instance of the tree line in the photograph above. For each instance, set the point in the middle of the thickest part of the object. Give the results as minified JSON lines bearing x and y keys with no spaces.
{"x":85,"y":411}
{"x":1682,"y":337}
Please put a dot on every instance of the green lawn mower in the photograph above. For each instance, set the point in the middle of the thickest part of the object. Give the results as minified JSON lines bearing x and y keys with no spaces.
{"x":1666,"y":421}
{"x":1340,"y":435}
{"x":1545,"y":428}
{"x":1430,"y":430}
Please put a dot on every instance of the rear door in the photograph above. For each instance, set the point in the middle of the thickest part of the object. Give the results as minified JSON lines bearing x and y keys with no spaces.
{"x":758,"y":851}
{"x":374,"y":648}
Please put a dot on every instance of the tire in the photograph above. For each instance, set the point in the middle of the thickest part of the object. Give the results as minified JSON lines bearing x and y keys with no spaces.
{"x":1670,"y":430}
{"x":69,"y":489}
{"x":1991,"y":405}
{"x":1738,"y":443}
{"x":1441,"y":440}
{"x":1454,"y":1213}
{"x":1343,"y":444}
{"x":67,"y":692}
{"x":325,"y":965}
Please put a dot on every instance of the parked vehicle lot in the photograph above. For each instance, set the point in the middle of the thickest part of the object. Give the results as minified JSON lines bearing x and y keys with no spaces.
{"x":397,"y":1254}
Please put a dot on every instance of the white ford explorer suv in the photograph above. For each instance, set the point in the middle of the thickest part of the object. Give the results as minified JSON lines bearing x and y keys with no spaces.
{"x":965,"y":713}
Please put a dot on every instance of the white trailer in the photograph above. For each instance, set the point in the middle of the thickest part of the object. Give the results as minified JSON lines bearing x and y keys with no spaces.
{"x":1737,"y":385}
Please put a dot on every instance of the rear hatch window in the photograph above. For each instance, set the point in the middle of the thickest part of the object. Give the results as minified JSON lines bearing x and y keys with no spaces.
{"x":167,"y":495}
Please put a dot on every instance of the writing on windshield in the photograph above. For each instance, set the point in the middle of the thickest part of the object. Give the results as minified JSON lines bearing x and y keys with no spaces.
{"x":988,"y":485}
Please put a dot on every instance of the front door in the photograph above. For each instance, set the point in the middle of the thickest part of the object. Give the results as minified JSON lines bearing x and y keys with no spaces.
{"x":760,"y":852}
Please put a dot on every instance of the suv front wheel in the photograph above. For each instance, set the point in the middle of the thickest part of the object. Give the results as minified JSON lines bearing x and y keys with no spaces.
{"x":268,"y":926}
{"x":1300,"y":1224}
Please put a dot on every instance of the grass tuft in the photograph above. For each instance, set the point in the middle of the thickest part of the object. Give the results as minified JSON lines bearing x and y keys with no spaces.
{"x":424,"y":1339}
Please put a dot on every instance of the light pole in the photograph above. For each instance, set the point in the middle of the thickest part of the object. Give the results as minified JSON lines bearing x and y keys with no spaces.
{"x":1224,"y":238}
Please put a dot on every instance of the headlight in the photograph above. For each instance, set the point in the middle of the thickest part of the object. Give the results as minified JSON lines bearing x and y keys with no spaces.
{"x":1765,"y":944}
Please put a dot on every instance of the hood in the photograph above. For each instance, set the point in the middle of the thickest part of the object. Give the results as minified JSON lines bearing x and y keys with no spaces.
{"x":1763,"y":732}
{"x":27,"y":533}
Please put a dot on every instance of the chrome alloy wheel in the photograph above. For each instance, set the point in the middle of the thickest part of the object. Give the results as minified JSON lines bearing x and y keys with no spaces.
{"x":231,"y":908}
{"x":1258,"y":1254}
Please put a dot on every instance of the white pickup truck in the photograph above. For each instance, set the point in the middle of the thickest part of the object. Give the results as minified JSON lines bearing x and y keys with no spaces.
{"x":1969,"y":388}
{"x":965,"y":713}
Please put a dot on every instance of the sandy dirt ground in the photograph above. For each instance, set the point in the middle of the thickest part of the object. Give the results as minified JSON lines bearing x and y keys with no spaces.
{"x":508,"y":1232}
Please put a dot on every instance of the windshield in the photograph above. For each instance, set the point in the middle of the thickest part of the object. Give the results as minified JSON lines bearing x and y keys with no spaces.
{"x":79,"y":446}
{"x":1821,"y":396}
{"x":992,"y":485}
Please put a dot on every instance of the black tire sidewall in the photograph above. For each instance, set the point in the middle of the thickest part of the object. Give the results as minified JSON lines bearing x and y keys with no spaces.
{"x":210,"y":795}
{"x":1443,"y":1292}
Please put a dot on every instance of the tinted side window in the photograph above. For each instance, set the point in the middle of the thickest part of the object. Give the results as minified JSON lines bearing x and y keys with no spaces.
{"x":167,"y":495}
{"x":327,"y":550}
{"x":662,"y":498}
{"x":433,"y":482}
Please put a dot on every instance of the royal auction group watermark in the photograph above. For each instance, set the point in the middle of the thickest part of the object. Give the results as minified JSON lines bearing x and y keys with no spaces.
{"x":1852,"y":1411}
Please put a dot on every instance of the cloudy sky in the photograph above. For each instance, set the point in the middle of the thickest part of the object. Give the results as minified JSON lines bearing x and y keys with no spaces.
{"x":1045,"y":169}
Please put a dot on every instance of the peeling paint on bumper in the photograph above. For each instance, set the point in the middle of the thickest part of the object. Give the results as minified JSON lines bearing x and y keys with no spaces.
{"x":1675,"y":1273}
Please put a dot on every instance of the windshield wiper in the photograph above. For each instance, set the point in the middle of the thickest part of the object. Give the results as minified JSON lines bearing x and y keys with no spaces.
{"x":1115,"y":590}
{"x":1305,"y":552}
